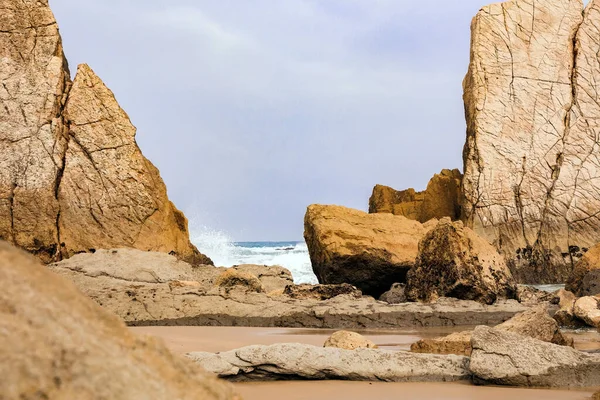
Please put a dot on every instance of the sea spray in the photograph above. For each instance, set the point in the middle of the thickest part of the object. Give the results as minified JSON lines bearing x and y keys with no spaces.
{"x":224,"y":252}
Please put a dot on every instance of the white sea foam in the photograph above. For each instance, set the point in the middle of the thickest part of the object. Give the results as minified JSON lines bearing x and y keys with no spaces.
{"x":227,"y":253}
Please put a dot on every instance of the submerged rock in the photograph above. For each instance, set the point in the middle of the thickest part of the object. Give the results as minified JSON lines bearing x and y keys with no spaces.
{"x":58,"y":344}
{"x":509,"y":359}
{"x":72,"y":178}
{"x":454,"y":262}
{"x":349,"y":341}
{"x":440,"y":199}
{"x":321,"y":292}
{"x":532,"y":126}
{"x":585,"y":277}
{"x":369,"y":251}
{"x":299,"y":361}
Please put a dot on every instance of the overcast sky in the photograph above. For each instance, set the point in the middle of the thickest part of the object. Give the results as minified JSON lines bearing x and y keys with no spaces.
{"x":252,"y":110}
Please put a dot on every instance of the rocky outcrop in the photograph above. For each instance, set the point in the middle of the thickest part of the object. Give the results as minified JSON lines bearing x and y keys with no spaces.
{"x":506,"y":358}
{"x":369,"y":251}
{"x":58,"y":344}
{"x":565,"y":316}
{"x":396,"y":294}
{"x":271,"y":277}
{"x":530,"y":295}
{"x":238,"y":280}
{"x":534,"y":323}
{"x":300,"y":361}
{"x":172,"y":292}
{"x":72,"y":178}
{"x":455,"y":262}
{"x":349,"y":341}
{"x":585,"y":277}
{"x":441,"y":199}
{"x":531,"y":158}
{"x":321,"y":292}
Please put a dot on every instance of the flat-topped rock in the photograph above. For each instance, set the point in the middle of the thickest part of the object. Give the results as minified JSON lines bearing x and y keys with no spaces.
{"x":300,"y":361}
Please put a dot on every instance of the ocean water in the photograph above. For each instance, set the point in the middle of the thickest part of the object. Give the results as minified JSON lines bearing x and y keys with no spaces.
{"x":224,"y":252}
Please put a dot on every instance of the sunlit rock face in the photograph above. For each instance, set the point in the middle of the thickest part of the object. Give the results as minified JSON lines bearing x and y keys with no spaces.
{"x":532,"y":157}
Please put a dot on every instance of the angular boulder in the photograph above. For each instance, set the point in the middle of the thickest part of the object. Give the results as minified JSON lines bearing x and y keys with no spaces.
{"x":441,"y":199}
{"x":369,"y":251}
{"x":453,"y":261}
{"x":271,"y":277}
{"x":396,"y":294}
{"x":531,"y":154}
{"x":508,"y":359}
{"x":238,"y":280}
{"x":59,"y":344}
{"x":587,"y":309}
{"x":530,"y":295}
{"x":321,"y":292}
{"x":584,"y":280}
{"x":293,"y":361}
{"x":72,"y":178}
{"x":349,"y":341}
{"x":458,"y":343}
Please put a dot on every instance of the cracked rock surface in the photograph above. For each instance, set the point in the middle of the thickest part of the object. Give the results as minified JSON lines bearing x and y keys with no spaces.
{"x":72,"y":178}
{"x":532,"y":155}
{"x":506,"y":358}
{"x":300,"y":361}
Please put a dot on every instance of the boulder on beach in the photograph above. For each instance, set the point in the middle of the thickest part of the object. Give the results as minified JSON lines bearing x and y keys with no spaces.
{"x":584,"y":280}
{"x":396,"y":294}
{"x":453,"y":261}
{"x":321,"y":292}
{"x":72,"y":178}
{"x":232,"y":280}
{"x":349,"y":341}
{"x":59,"y":344}
{"x":369,"y":251}
{"x":565,"y":316}
{"x":272,"y":277}
{"x":534,"y":323}
{"x":509,"y":359}
{"x":292,"y":361}
{"x":440,"y":199}
{"x":530,"y":295}
{"x":587,"y":309}
{"x":531,"y":156}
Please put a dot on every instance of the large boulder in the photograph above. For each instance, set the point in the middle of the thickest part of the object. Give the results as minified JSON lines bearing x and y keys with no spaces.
{"x":321,"y":292}
{"x":531,"y":154}
{"x":72,"y":178}
{"x":369,"y":251}
{"x":349,"y":341}
{"x":506,"y":358}
{"x":59,"y":344}
{"x":299,"y":361}
{"x":587,"y":309}
{"x":453,"y":261}
{"x":584,"y":280}
{"x":441,"y":199}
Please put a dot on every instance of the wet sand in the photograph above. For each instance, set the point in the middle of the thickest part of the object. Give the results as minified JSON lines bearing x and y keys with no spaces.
{"x":214,"y":339}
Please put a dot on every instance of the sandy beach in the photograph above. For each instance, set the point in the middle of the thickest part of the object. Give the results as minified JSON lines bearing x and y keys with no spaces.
{"x":215,"y":339}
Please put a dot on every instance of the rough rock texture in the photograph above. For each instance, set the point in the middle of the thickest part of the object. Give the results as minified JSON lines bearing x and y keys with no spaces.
{"x":369,"y":251}
{"x":441,"y":199}
{"x":534,"y":323}
{"x":455,"y":262}
{"x":272,"y":277}
{"x":349,"y":341}
{"x":321,"y":292}
{"x":72,"y":178}
{"x":531,"y":158}
{"x":58,"y":344}
{"x":506,"y":358}
{"x":396,"y":294}
{"x":300,"y":361}
{"x":232,"y":280}
{"x":596,"y":396}
{"x":530,"y":295}
{"x":585,"y":277}
{"x":565,"y":316}
{"x":587,"y":309}
{"x":188,"y":296}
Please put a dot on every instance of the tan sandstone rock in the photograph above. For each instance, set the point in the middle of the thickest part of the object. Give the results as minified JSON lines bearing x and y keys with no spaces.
{"x":585,"y":277}
{"x":59,"y":344}
{"x":596,"y":396}
{"x":587,"y":309}
{"x":458,"y":343}
{"x":531,"y":157}
{"x":453,"y":261}
{"x":72,"y":178}
{"x":369,"y":251}
{"x":441,"y":199}
{"x":232,"y":279}
{"x":349,"y":341}
{"x":321,"y":292}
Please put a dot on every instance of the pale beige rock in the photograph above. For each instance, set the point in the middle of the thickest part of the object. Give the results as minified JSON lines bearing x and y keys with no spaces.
{"x":58,"y":344}
{"x":271,"y":277}
{"x":584,"y":280}
{"x":232,"y":279}
{"x":453,"y":261}
{"x":458,"y":343}
{"x":441,"y":199}
{"x":34,"y":82}
{"x":369,"y":251}
{"x":321,"y":292}
{"x":587,"y":309}
{"x":349,"y":341}
{"x":530,"y":163}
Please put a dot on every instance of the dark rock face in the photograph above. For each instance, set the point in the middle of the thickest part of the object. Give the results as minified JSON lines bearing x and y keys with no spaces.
{"x":454,"y":262}
{"x":584,"y":280}
{"x":321,"y":292}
